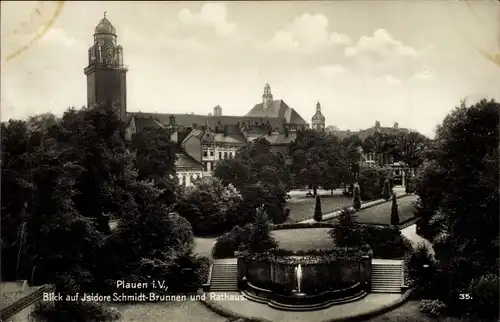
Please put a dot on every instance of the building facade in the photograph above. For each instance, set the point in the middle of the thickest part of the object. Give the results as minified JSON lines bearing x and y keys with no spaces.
{"x":203,"y":139}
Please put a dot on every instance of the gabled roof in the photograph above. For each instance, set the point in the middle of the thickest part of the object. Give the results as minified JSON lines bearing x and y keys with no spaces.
{"x":278,"y":109}
{"x":185,"y":162}
{"x":142,"y":123}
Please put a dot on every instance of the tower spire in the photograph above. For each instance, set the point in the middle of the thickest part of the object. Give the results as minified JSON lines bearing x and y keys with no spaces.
{"x":105,"y":14}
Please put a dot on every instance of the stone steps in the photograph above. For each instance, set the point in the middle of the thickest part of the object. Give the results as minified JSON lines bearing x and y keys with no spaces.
{"x":386,"y":277}
{"x":224,"y":276}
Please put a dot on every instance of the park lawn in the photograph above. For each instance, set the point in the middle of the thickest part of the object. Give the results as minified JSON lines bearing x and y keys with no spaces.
{"x":303,"y":208}
{"x":381,"y":214}
{"x":409,"y":312}
{"x":303,"y":239}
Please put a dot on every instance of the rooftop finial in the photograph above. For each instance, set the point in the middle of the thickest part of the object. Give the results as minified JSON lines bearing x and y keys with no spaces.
{"x":105,"y":14}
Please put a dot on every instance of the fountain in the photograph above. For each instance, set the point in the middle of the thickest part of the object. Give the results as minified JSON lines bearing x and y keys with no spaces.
{"x":298,"y":275}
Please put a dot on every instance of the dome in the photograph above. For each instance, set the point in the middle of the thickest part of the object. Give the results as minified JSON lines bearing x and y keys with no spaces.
{"x":105,"y":27}
{"x":318,"y":117}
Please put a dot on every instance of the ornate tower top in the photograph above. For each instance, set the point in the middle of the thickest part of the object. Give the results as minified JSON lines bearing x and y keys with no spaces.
{"x":318,"y":119}
{"x":267,"y":97}
{"x":104,"y":32}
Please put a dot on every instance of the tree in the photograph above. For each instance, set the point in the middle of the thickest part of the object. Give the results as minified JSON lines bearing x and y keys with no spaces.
{"x":350,"y":158}
{"x":356,"y":199}
{"x":260,"y":176}
{"x":318,"y":215}
{"x":155,"y":160}
{"x":316,"y":159}
{"x":394,"y":211}
{"x":210,"y":206}
{"x":386,"y":194}
{"x":260,"y":239}
{"x":411,"y":148}
{"x":95,"y":138}
{"x":465,"y":161}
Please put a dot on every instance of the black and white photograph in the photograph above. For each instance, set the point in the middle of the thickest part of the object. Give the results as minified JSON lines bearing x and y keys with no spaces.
{"x":257,"y":161}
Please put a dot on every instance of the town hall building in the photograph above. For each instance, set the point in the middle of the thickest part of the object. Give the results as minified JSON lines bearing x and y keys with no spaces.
{"x":202,"y":139}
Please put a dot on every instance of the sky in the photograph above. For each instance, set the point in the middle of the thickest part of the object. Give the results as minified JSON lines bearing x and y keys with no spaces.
{"x":409,"y":62}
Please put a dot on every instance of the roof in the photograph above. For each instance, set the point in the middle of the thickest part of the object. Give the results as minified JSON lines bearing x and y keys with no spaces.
{"x":189,"y":120}
{"x":234,"y":138}
{"x":185,"y":162}
{"x":280,"y":138}
{"x":332,"y":128}
{"x":142,"y":123}
{"x":105,"y":27}
{"x":363,"y":134}
{"x":279,"y":109}
{"x":318,"y":117}
{"x":343,"y":134}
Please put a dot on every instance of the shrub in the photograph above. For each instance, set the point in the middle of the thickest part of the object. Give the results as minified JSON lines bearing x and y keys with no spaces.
{"x":356,"y":199}
{"x":260,"y":239}
{"x":73,"y":311}
{"x":231,"y":241}
{"x":386,"y":242}
{"x":386,"y":193}
{"x":318,"y":215}
{"x":432,"y":308}
{"x":419,"y":276}
{"x":346,"y":232}
{"x":394,"y":211}
{"x":203,"y":268}
{"x":286,"y":214}
{"x":484,"y":292}
{"x":370,"y":180}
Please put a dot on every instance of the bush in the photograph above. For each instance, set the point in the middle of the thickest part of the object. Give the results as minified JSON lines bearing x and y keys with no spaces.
{"x":73,"y":311}
{"x":318,"y":215}
{"x":356,"y":199}
{"x":418,"y":276}
{"x":386,"y":242}
{"x":286,"y":214}
{"x":386,"y":193}
{"x":203,"y":269}
{"x":432,"y":308}
{"x":231,"y":241}
{"x":485,"y":295}
{"x":346,"y":232}
{"x":394,"y":211}
{"x":370,"y":180}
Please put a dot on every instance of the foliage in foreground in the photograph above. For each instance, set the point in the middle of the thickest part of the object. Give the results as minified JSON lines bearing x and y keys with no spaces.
{"x":73,"y":311}
{"x":463,"y":219}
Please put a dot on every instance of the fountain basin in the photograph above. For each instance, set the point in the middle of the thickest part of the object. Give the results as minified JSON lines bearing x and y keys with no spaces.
{"x":305,"y":281}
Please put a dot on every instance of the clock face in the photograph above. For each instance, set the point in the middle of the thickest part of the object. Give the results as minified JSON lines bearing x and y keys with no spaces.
{"x":109,"y":52}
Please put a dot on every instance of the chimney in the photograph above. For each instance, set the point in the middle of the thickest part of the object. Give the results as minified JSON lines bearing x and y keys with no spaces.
{"x":396,"y":125}
{"x":377,"y":124}
{"x":171,"y":120}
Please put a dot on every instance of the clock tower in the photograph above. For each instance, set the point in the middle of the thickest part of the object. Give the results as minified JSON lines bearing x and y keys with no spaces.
{"x":106,"y":73}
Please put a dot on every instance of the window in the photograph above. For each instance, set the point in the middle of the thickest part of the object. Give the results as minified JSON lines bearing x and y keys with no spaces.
{"x":205,"y":164}
{"x":225,"y":155}
{"x":211,"y":153}
{"x":205,"y":153}
{"x":220,"y":155}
